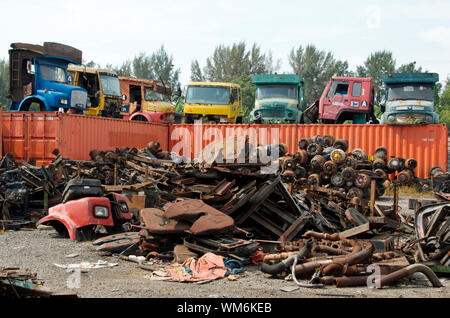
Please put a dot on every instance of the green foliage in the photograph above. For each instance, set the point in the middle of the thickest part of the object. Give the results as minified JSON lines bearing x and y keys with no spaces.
{"x":157,"y":66}
{"x":316,"y":68}
{"x":230,"y":62}
{"x":409,"y":68}
{"x":376,"y":66}
{"x":4,"y":84}
{"x":248,"y":94}
{"x":444,"y":106}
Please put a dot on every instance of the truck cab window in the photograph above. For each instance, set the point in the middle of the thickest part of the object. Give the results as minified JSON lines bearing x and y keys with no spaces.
{"x":53,"y":73}
{"x":356,"y":90}
{"x":338,"y":88}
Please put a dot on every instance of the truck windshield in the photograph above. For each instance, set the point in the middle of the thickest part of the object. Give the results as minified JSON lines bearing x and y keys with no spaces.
{"x":53,"y":73}
{"x":208,"y":95}
{"x":110,"y":85}
{"x":410,"y":91}
{"x":151,"y":95}
{"x":276,"y":91}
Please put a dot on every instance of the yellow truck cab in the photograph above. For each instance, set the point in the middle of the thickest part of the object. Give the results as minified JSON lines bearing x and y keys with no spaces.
{"x":103,"y":89}
{"x":217,"y":102}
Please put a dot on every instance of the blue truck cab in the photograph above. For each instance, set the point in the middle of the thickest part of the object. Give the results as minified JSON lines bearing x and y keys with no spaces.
{"x":278,"y":98}
{"x":409,"y":99}
{"x":38,"y":78}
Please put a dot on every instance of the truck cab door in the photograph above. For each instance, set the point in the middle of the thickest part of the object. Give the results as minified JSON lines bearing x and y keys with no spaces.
{"x":336,"y":99}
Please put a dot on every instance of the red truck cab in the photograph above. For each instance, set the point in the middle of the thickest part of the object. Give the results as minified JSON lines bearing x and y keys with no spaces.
{"x":347,"y":98}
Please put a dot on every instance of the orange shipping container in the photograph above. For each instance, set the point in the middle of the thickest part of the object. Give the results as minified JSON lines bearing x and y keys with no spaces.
{"x":36,"y":134}
{"x":425,"y":143}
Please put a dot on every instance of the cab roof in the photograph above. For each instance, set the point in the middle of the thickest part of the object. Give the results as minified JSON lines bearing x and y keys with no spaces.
{"x":214,"y":84}
{"x":90,"y":70}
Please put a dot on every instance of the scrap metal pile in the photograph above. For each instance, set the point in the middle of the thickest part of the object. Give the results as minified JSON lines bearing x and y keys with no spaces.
{"x":308,"y":211}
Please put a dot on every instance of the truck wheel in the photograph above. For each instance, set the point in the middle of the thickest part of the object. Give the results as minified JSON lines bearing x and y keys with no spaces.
{"x":239,"y":120}
{"x":188,"y":119}
{"x":29,"y":104}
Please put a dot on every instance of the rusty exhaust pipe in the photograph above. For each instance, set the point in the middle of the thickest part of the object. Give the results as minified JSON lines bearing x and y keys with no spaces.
{"x":407,"y":271}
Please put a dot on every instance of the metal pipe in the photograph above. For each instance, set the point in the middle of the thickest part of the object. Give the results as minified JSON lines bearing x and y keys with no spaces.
{"x":279,"y":267}
{"x":407,"y":271}
{"x":338,"y":265}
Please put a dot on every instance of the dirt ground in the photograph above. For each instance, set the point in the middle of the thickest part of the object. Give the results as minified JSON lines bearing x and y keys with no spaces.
{"x":38,"y":250}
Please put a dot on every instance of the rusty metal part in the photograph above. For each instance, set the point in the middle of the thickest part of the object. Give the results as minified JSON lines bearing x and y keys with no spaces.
{"x":380,"y":173}
{"x":350,"y":161}
{"x":288,"y":176}
{"x":380,"y":153}
{"x":341,"y":144}
{"x":314,"y":149}
{"x":300,"y":172}
{"x":329,"y":140}
{"x":330,"y":250}
{"x":359,"y":154}
{"x":283,"y":265}
{"x":394,"y":164}
{"x":338,"y":266}
{"x":405,"y":176}
{"x":317,"y":163}
{"x":411,"y":163}
{"x":287,"y":163}
{"x":206,"y":219}
{"x":301,"y":156}
{"x":314,"y":180}
{"x":338,"y":155}
{"x":304,"y":143}
{"x":362,"y":180}
{"x":323,"y":236}
{"x":348,"y":174}
{"x":337,"y":180}
{"x":407,"y":271}
{"x":379,"y":164}
{"x":330,"y":167}
{"x":355,"y":193}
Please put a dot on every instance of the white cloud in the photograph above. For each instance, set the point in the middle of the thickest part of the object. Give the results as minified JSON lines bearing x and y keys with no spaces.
{"x":440,"y":35}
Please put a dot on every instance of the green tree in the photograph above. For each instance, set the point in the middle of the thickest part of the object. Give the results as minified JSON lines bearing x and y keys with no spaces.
{"x":376,"y":66}
{"x":196,"y":72}
{"x":124,"y":70}
{"x":248,"y":94}
{"x":444,"y":105}
{"x":230,"y":62}
{"x":409,"y":68}
{"x":316,"y":67}
{"x":4,"y":84}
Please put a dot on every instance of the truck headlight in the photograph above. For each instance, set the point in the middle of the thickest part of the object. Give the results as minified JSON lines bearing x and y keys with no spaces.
{"x":391,"y":118}
{"x":428,"y":118}
{"x":257,"y":115}
{"x":101,"y":212}
{"x":124,"y":207}
{"x":63,"y":101}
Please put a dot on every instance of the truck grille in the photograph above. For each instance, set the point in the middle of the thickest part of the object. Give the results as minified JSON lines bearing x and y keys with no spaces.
{"x":78,"y":99}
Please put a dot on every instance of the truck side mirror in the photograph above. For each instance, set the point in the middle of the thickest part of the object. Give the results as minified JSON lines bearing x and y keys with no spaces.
{"x":30,"y":67}
{"x":383,"y":108}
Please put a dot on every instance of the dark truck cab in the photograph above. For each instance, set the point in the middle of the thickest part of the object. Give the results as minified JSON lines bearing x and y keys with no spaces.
{"x":410,"y":99}
{"x":38,"y":75}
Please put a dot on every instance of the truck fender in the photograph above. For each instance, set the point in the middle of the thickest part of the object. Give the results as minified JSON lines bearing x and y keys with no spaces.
{"x":59,"y":225}
{"x":143,"y":114}
{"x":26,"y":102}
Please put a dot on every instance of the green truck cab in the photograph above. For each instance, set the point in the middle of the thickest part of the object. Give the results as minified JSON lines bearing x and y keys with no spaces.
{"x":409,"y":99}
{"x":278,"y":98}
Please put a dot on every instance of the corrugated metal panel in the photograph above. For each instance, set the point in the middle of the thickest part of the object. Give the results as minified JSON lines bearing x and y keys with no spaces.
{"x":426,"y":143}
{"x":35,"y":134}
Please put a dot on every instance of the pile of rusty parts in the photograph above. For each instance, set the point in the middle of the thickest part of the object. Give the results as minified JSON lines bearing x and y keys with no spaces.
{"x":308,"y":212}
{"x":325,"y":162}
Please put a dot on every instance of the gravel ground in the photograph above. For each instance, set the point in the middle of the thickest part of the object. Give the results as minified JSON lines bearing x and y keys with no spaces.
{"x":38,"y":250}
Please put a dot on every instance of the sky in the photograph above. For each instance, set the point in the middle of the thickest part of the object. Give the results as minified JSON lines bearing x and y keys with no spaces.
{"x":111,"y":31}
